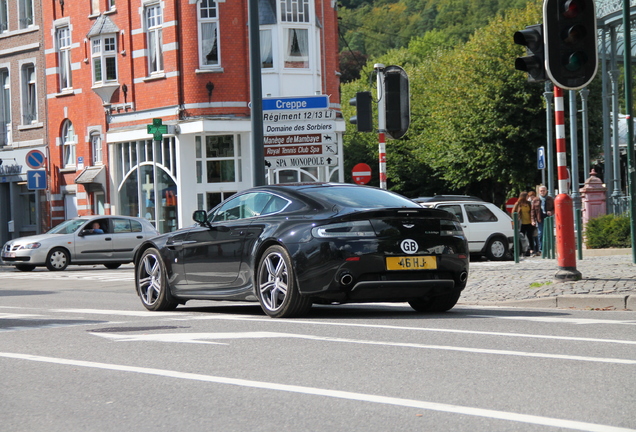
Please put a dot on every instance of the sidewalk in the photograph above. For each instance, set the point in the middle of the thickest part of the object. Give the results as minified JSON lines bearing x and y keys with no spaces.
{"x":608,"y":282}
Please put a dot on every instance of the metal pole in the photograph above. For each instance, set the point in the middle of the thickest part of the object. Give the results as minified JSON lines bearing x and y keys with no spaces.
{"x":616,"y":195}
{"x":586,"y":136}
{"x":574,"y":149}
{"x":256,"y":95}
{"x":549,"y":97}
{"x":379,"y":68}
{"x":565,"y":245}
{"x":630,"y":122}
{"x":608,"y":169}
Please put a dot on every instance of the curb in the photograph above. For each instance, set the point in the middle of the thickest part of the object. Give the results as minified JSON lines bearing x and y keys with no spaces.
{"x":596,"y":302}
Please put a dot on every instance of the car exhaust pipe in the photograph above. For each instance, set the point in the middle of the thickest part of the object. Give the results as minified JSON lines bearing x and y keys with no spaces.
{"x":346,"y":279}
{"x":463,"y":276}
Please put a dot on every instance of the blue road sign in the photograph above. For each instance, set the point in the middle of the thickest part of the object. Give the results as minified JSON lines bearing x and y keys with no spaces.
{"x":36,"y":179}
{"x":541,"y":158}
{"x":35,"y":159}
{"x":296,"y":103}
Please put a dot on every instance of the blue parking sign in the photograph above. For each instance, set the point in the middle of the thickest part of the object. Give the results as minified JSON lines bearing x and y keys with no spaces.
{"x":36,"y":179}
{"x":541,"y":158}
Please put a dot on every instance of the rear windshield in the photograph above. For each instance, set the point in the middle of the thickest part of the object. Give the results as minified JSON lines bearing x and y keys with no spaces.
{"x":360,"y":197}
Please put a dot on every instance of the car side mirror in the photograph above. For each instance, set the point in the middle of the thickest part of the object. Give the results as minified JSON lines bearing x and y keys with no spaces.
{"x":82,"y":233}
{"x":201,"y":217}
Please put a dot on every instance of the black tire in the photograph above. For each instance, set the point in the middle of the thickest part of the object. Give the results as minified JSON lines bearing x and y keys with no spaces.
{"x":152,"y":283}
{"x":112,"y":266}
{"x":58,"y":259}
{"x":25,"y":267}
{"x":276,"y":285}
{"x":497,"y":249}
{"x":440,"y":303}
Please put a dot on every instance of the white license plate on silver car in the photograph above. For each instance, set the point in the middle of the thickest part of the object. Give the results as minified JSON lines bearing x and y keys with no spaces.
{"x":8,"y":255}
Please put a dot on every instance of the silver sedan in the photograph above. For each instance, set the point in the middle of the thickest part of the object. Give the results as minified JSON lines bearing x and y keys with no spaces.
{"x":107,"y":240}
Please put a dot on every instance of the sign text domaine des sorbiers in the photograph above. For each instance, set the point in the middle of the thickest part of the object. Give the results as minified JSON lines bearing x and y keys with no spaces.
{"x":299,"y":132}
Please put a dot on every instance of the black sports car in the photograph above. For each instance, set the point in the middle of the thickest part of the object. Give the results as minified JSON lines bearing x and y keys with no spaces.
{"x":289,"y":246}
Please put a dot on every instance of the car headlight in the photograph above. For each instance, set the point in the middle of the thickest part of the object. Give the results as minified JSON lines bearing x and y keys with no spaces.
{"x":31,"y":246}
{"x":344,"y":229}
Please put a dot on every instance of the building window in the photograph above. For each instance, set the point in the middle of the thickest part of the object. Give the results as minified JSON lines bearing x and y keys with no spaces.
{"x":25,"y":8}
{"x":294,"y":11}
{"x":5,"y":108}
{"x":96,"y":148}
{"x":154,"y":24}
{"x":64,"y":56}
{"x":4,"y":16}
{"x":29,"y":95}
{"x":111,"y":4}
{"x":208,"y":33}
{"x":104,"y":58}
{"x":297,"y":48}
{"x":221,"y":159}
{"x":267,"y":53}
{"x":69,"y":140}
{"x":95,"y":7}
{"x":147,"y":178}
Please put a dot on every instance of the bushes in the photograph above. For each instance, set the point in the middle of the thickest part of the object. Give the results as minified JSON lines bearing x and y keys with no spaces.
{"x":608,"y":231}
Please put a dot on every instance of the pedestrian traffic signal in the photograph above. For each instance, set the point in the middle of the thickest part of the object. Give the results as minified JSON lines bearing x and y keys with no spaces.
{"x":397,"y":101}
{"x":364,"y":111}
{"x":570,"y":42}
{"x":534,"y":60}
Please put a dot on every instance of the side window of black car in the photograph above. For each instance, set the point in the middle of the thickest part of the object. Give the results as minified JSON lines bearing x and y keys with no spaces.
{"x":479,"y":213}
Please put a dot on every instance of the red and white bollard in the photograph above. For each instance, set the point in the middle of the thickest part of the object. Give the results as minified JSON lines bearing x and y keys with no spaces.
{"x":564,"y":221}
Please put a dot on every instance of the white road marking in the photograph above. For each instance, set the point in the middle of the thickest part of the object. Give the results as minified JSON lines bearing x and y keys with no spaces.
{"x":559,"y":320}
{"x":423,"y":329}
{"x":116,"y":312}
{"x":203,"y":337}
{"x":17,"y":316}
{"x":339,"y":394}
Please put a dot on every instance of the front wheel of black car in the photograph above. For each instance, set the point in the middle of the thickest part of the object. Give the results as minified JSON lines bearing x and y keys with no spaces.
{"x":276,"y":285}
{"x":440,"y":303}
{"x":152,"y":283}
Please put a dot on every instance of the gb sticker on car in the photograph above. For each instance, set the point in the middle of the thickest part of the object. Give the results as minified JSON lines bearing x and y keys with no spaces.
{"x":409,"y":246}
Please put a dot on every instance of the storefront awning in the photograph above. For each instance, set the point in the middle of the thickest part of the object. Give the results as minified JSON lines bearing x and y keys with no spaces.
{"x":93,"y":178}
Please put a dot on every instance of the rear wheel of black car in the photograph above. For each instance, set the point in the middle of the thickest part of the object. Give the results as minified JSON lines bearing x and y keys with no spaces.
{"x":58,"y":259}
{"x":152,"y":283}
{"x":497,"y":249}
{"x":276,"y":285}
{"x":112,"y":266}
{"x":25,"y":267}
{"x":440,"y":303}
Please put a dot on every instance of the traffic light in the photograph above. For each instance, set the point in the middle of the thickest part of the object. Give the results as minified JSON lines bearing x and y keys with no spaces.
{"x":570,"y":42}
{"x":364,"y":111}
{"x":397,"y":101}
{"x":534,"y":60}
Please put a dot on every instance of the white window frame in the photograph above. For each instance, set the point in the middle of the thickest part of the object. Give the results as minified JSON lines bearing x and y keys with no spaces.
{"x":96,"y":148}
{"x":69,"y":142}
{"x":25,"y":14}
{"x":208,"y":17}
{"x":295,"y":11}
{"x":5,"y":106}
{"x":4,"y":16}
{"x":267,"y":48}
{"x":103,"y":51}
{"x":301,"y":59}
{"x":63,"y":41}
{"x":29,"y":94}
{"x":153,"y":19}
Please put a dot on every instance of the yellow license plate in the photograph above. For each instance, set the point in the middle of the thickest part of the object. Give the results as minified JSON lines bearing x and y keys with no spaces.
{"x":411,"y":263}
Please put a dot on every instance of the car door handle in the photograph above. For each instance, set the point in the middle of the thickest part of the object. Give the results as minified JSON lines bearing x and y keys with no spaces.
{"x":108,"y":239}
{"x":237,"y":233}
{"x":140,"y":237}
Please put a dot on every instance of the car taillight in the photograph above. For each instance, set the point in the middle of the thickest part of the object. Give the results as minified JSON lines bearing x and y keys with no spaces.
{"x":344,"y":229}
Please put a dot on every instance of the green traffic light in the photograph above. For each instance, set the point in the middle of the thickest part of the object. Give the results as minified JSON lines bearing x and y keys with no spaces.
{"x":575,"y":61}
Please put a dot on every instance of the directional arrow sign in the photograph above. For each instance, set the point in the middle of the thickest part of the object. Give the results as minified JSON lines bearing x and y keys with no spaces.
{"x":36,"y":179}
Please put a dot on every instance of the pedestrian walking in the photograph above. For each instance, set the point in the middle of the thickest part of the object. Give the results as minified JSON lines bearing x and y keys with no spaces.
{"x":522,"y":208}
{"x":542,"y":207}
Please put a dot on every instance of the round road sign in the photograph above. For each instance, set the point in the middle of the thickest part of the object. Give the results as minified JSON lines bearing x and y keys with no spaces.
{"x":510,"y":204}
{"x":361,"y":173}
{"x":35,"y":159}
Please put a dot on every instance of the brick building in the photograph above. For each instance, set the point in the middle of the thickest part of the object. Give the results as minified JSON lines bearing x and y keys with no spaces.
{"x":22,"y":117}
{"x":112,"y":67}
